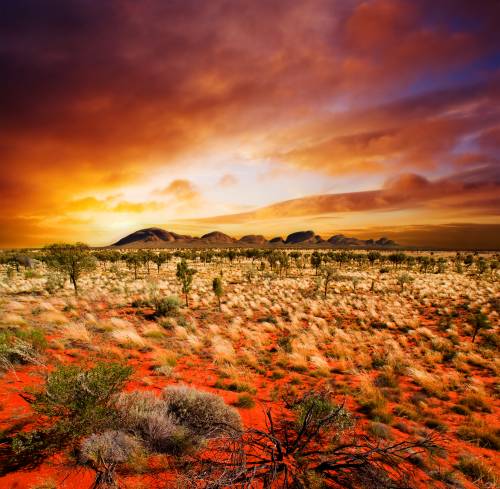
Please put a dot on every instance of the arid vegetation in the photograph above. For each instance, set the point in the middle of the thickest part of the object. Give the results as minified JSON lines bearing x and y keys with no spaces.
{"x":248,"y":368}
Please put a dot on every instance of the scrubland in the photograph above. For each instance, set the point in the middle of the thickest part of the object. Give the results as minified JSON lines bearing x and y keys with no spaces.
{"x":123,"y":384}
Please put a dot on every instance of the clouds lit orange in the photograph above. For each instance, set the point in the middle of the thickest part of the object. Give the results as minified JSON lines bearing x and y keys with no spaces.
{"x":250,"y":117}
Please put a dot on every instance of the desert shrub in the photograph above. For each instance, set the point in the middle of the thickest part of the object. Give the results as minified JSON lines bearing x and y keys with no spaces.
{"x":147,"y":416}
{"x":80,"y":399}
{"x":435,"y":424}
{"x":446,"y":476}
{"x":71,"y":260}
{"x":73,"y":402}
{"x":316,"y":435}
{"x":373,"y":403}
{"x":285,"y":343}
{"x":380,"y":431}
{"x":54,"y":282}
{"x":459,"y":409}
{"x":406,"y":411}
{"x":387,"y":378}
{"x":476,"y":469}
{"x":203,"y":413}
{"x":234,"y":387}
{"x":166,"y":306}
{"x":21,"y":347}
{"x":104,"y":451}
{"x":110,"y":447}
{"x":244,"y":401}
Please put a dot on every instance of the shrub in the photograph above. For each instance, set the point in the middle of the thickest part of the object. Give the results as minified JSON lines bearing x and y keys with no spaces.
{"x":435,"y":424}
{"x":108,"y":448}
{"x":166,"y":306}
{"x":54,"y":282}
{"x":245,"y":401}
{"x":203,"y":413}
{"x":21,"y":347}
{"x":147,"y":416}
{"x":81,"y":399}
{"x":104,"y":451}
{"x":73,"y":402}
{"x":71,"y":260}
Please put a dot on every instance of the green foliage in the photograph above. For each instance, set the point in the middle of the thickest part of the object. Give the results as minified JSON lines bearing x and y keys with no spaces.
{"x":479,"y":321}
{"x":166,"y":306}
{"x":245,"y":401}
{"x":217,"y":288}
{"x":185,"y":276}
{"x":317,"y":408}
{"x":80,"y":398}
{"x":316,"y":260}
{"x":71,"y":260}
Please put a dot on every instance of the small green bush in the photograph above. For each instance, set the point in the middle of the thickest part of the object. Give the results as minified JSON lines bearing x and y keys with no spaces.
{"x":166,"y":306}
{"x":245,"y":401}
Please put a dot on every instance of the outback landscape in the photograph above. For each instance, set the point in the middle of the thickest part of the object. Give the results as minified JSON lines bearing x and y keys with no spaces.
{"x":249,"y":244}
{"x":249,"y":367}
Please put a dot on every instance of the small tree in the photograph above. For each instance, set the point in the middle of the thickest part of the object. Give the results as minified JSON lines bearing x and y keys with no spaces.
{"x":479,"y":321}
{"x":133,"y":261}
{"x":185,"y":276}
{"x":404,"y":278}
{"x":373,"y":256}
{"x":72,"y":260}
{"x":160,"y":258}
{"x":217,"y":288}
{"x":328,"y":274}
{"x":316,"y":261}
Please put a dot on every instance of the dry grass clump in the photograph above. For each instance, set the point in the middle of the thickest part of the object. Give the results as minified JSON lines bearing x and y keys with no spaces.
{"x":480,"y":433}
{"x":372,"y":401}
{"x":477,"y":470}
{"x":433,"y":385}
{"x":128,"y":338}
{"x":77,"y":332}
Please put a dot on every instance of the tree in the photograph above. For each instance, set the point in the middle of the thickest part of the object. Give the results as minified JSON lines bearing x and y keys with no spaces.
{"x":397,"y":259}
{"x":133,"y":260}
{"x":146,"y":257}
{"x":217,"y":288}
{"x":373,"y":256}
{"x":479,"y":321}
{"x":328,"y":274}
{"x":70,"y":259}
{"x":316,"y":260}
{"x":185,"y":276}
{"x":231,"y":254}
{"x":160,"y":258}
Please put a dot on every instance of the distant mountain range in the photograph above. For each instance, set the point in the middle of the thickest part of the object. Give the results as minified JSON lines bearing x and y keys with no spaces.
{"x":160,"y":238}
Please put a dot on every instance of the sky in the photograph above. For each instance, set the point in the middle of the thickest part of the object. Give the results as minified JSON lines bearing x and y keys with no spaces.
{"x":367,"y":118}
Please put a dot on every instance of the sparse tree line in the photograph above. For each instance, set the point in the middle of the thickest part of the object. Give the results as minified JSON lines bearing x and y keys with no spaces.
{"x":71,"y":261}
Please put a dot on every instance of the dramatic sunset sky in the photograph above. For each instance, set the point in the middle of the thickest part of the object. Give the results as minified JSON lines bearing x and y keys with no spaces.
{"x":371,"y":118}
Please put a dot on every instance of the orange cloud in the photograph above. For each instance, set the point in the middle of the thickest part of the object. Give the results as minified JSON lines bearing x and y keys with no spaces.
{"x":182,"y":190}
{"x":401,"y":192}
